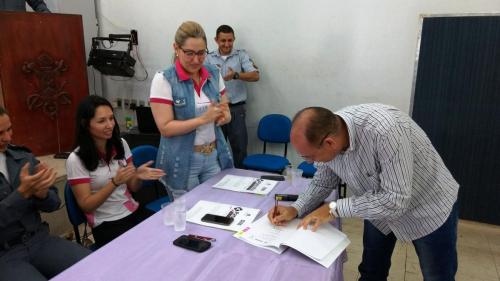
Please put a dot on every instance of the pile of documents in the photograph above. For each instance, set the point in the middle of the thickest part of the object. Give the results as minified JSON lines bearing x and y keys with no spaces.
{"x":323,"y":246}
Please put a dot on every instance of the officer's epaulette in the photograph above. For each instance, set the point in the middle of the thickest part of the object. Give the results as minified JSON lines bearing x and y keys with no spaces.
{"x":19,"y":148}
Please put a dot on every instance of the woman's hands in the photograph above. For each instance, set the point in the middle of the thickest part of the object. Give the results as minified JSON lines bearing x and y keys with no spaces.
{"x":226,"y":114}
{"x":123,"y":174}
{"x":145,"y":172}
{"x":214,"y":112}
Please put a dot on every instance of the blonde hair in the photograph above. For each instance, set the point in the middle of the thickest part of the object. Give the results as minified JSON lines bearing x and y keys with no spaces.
{"x":189,"y":29}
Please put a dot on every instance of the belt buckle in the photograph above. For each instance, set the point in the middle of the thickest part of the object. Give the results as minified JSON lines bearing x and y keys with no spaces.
{"x":206,"y":149}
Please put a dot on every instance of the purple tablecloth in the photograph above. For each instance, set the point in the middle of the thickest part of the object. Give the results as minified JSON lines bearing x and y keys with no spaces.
{"x":146,"y":252}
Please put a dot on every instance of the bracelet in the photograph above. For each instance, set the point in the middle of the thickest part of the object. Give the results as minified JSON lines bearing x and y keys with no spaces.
{"x":113,"y":182}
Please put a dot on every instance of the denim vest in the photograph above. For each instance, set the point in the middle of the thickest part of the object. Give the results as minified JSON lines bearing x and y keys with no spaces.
{"x":174,"y":154}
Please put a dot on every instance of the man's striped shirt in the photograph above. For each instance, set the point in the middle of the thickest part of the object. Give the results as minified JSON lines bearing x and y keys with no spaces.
{"x":398,"y":179}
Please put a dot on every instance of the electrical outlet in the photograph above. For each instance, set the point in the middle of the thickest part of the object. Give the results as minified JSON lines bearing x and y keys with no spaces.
{"x":134,"y":39}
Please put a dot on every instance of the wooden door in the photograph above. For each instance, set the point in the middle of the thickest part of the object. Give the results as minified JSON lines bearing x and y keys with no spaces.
{"x":43,"y":77}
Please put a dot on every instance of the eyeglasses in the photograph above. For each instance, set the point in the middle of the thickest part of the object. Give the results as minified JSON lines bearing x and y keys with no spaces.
{"x":190,"y":53}
{"x":310,"y":158}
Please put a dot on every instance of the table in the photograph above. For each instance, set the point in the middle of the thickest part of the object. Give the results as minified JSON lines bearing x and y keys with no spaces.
{"x":146,"y":251}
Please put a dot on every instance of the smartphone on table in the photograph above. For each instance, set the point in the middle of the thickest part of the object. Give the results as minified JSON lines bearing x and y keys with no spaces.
{"x":217,"y":219}
{"x":192,"y":244}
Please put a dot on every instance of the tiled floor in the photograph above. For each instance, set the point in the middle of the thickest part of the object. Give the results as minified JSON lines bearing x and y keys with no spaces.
{"x":478,"y":253}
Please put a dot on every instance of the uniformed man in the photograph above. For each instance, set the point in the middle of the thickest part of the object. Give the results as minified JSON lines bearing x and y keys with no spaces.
{"x":27,"y":251}
{"x":237,"y":68}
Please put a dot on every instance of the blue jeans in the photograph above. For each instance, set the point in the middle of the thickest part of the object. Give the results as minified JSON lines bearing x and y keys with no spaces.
{"x":40,"y":258}
{"x":236,"y":132}
{"x":437,"y":252}
{"x":203,"y":167}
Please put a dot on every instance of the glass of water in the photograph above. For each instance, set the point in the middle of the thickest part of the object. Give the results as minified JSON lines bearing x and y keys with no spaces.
{"x":168,"y":213}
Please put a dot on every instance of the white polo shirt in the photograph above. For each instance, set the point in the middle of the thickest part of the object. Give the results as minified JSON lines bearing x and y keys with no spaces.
{"x":120,"y":203}
{"x":161,"y":92}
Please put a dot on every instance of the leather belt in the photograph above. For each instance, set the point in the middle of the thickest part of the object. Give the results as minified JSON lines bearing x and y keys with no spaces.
{"x":205,"y":148}
{"x":22,"y":239}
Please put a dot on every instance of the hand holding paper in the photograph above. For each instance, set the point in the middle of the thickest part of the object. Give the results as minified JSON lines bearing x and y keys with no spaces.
{"x":316,"y":218}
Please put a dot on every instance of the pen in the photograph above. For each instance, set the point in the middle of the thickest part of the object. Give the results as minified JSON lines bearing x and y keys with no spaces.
{"x":202,"y":237}
{"x":275,"y":207}
{"x":286,"y":197}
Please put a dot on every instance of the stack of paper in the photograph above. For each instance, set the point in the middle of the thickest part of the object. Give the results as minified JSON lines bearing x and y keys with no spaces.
{"x":323,"y":246}
{"x":246,"y":184}
{"x":242,"y":216}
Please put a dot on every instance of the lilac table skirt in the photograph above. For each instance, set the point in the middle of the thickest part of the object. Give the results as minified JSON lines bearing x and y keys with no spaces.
{"x":146,"y":251}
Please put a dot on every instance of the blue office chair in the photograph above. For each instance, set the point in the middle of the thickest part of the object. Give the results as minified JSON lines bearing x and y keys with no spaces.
{"x":152,"y":193}
{"x":273,"y":128}
{"x":308,"y":170}
{"x":75,"y":214}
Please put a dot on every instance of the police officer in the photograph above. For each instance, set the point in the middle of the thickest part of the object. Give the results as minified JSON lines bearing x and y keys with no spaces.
{"x":237,"y":68}
{"x":27,"y":251}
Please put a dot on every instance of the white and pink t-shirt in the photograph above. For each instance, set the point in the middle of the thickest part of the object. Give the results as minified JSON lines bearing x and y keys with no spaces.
{"x":120,"y":203}
{"x":161,"y":92}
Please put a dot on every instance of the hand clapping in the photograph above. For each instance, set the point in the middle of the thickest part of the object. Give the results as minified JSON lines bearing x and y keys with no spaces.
{"x":145,"y":172}
{"x":37,"y":184}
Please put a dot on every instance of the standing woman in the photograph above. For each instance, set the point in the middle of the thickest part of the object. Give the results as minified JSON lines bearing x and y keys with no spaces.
{"x":189,"y":106}
{"x":101,"y":173}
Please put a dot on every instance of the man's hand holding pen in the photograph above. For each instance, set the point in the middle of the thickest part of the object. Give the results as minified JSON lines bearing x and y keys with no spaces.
{"x":281,"y":215}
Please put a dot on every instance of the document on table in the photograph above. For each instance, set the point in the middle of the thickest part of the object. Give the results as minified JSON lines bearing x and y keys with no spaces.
{"x":242,"y":216}
{"x":246,"y":184}
{"x":322,"y":246}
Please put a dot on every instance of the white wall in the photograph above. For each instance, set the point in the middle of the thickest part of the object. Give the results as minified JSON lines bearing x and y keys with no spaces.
{"x":327,"y":53}
{"x":87,"y":10}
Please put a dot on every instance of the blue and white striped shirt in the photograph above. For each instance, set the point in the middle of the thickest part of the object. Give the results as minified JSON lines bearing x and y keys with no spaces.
{"x":398,"y":179}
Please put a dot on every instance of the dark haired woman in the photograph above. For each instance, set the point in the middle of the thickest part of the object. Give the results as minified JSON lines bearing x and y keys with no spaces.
{"x":101,"y":173}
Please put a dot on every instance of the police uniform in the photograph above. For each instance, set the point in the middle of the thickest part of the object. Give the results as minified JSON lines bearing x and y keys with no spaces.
{"x":236,"y":131}
{"x":27,"y":251}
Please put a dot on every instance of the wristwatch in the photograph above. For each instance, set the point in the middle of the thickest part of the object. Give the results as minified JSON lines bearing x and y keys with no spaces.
{"x":333,"y":208}
{"x":236,"y":76}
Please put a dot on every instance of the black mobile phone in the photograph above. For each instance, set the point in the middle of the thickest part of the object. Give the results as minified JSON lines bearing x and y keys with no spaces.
{"x":273,"y":177}
{"x":192,"y":244}
{"x":217,"y":219}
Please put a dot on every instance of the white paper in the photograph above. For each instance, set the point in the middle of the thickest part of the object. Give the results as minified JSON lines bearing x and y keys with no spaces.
{"x":246,"y":184}
{"x":243,"y":216}
{"x":323,"y":246}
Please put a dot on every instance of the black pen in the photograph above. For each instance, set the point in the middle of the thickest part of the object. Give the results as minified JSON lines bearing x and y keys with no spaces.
{"x":286,"y":197}
{"x":202,"y":237}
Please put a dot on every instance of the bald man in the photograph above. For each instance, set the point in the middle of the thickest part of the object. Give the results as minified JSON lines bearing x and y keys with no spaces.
{"x":400,"y":185}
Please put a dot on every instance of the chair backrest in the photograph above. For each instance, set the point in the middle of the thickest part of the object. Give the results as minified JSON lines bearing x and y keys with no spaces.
{"x":151,"y":189}
{"x":142,"y":154}
{"x":75,"y":214}
{"x":274,"y":128}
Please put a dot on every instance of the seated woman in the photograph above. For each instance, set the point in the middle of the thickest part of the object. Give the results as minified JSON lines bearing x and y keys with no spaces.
{"x":189,"y":106}
{"x":101,"y":173}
